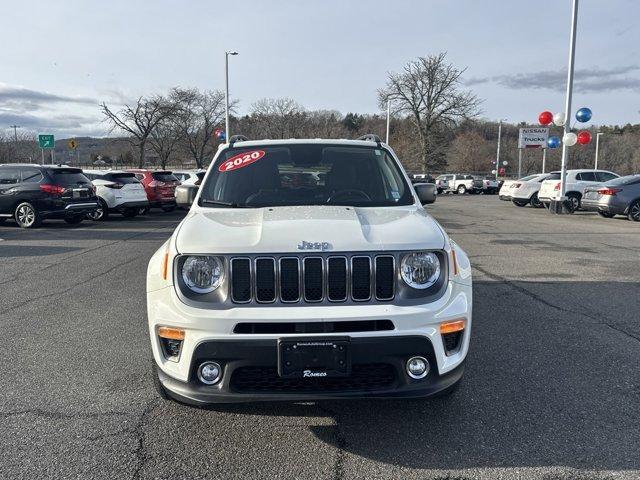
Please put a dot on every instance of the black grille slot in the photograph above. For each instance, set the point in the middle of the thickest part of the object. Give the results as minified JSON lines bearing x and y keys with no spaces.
{"x":348,"y":326}
{"x":240,"y":280}
{"x":385,"y":281}
{"x":313,"y":291}
{"x":452,"y":342}
{"x":363,"y":378}
{"x":337,"y":279}
{"x":265,"y":280}
{"x":289,"y":280}
{"x":361,"y":278}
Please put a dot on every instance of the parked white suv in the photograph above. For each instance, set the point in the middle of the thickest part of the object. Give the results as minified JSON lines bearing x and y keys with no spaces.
{"x":524,"y":191}
{"x":276,"y":288}
{"x":117,"y":191}
{"x":577,"y":182}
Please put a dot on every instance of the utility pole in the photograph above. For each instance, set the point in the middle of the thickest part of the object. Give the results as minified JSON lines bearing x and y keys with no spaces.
{"x":15,"y":132}
{"x":388,"y":120}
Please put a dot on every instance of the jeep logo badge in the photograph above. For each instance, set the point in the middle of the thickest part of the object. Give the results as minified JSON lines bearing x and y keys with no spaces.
{"x":322,"y":246}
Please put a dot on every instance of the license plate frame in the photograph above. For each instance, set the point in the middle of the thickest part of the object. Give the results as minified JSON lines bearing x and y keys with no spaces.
{"x":311,"y":358}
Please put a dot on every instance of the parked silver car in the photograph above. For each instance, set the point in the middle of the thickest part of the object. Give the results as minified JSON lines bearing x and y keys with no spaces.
{"x":620,"y":196}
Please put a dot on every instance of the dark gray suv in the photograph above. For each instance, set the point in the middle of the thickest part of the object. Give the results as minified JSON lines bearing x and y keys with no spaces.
{"x":620,"y":196}
{"x":31,"y":193}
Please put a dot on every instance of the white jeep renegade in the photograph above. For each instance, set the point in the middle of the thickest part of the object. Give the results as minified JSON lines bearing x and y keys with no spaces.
{"x":306,"y":270}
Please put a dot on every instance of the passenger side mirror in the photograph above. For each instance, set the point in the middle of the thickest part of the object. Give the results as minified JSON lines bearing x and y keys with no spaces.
{"x":185,"y":194}
{"x":426,"y":192}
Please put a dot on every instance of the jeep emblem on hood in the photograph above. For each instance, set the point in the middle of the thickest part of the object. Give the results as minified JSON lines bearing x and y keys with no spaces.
{"x":304,"y":245}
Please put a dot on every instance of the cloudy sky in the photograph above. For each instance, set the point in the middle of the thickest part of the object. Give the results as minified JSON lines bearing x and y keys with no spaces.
{"x":60,"y":59}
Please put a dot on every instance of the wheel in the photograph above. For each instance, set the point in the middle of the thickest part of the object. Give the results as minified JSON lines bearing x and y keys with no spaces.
{"x":143,"y":210}
{"x":439,"y":191}
{"x":101,"y":213}
{"x":535,"y":201}
{"x":634,"y":211}
{"x":130,"y":212}
{"x":606,"y":214}
{"x":520,"y":203}
{"x":461,"y":189}
{"x":574,"y":198}
{"x":27,"y":216}
{"x":169,"y":208}
{"x":448,"y":391}
{"x":76,"y":219}
{"x":160,"y":390}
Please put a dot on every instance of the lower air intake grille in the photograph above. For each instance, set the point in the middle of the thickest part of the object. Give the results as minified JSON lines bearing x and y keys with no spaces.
{"x":363,"y":378}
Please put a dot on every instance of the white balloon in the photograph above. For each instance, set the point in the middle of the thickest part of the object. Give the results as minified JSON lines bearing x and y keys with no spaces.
{"x":505,"y":163}
{"x":559,"y":119}
{"x":493,"y":171}
{"x":570,"y":139}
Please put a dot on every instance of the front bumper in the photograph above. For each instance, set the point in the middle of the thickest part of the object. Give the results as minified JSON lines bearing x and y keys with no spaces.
{"x":250,"y":373}
{"x":208,"y":332}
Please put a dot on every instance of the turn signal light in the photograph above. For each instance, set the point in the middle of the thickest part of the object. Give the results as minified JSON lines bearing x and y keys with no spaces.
{"x":454,"y":261}
{"x":171,"y":333}
{"x":165,"y":265}
{"x":452,"y":327}
{"x":609,"y":191}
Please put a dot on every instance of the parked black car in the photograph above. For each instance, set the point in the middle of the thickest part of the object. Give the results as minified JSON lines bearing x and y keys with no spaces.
{"x":31,"y":193}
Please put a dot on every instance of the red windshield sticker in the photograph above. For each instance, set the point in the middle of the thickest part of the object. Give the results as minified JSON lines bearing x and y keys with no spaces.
{"x":241,"y":160}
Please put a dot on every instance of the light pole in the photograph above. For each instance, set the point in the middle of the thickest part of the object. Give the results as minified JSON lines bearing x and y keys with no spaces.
{"x":226,"y":96}
{"x":567,"y":108}
{"x":498,"y":149}
{"x":388,"y":120}
{"x":597,"y":148}
{"x":15,"y":132}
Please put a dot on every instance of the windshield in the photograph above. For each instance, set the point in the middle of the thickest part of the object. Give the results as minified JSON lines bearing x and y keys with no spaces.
{"x":306,"y":175}
{"x":527,"y":178}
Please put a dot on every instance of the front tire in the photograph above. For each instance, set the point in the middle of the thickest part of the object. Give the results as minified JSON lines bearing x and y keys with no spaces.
{"x":634,"y":211}
{"x":27,"y":216}
{"x":606,"y":214}
{"x":157,"y":384}
{"x":461,"y":189}
{"x":520,"y":203}
{"x":535,"y":201}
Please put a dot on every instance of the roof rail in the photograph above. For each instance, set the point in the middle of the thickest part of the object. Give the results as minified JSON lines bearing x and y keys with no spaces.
{"x":370,"y":137}
{"x":237,"y":138}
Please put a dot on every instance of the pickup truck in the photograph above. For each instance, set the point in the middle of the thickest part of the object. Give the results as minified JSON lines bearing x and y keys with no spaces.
{"x":459,"y":183}
{"x":300,"y":291}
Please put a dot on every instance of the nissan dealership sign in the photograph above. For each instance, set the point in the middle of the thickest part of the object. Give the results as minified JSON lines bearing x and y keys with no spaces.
{"x":535,"y":137}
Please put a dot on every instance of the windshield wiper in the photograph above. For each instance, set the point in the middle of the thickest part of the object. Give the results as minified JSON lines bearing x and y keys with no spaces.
{"x":219,"y":203}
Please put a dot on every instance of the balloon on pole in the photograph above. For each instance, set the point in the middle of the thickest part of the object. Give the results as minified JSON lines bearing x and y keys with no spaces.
{"x":584,"y":115}
{"x":584,"y":137}
{"x":545,"y":118}
{"x":553,"y":142}
{"x":570,"y":139}
{"x":559,"y":119}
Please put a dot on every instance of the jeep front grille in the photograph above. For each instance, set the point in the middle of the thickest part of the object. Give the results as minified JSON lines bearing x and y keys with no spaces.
{"x":312,"y":279}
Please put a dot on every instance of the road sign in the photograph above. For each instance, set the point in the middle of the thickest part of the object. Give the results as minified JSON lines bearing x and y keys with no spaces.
{"x":72,"y":144}
{"x":535,"y":137}
{"x":46,"y":142}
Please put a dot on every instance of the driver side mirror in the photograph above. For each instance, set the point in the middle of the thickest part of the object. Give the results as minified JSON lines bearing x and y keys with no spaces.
{"x":426,"y":192}
{"x":185,"y":194}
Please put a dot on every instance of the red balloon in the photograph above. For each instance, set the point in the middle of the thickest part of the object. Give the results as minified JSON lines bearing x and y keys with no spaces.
{"x":545,"y":118}
{"x":584,"y":137}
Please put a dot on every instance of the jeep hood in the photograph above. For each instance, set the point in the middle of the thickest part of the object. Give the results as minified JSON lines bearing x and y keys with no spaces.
{"x":281,"y":229}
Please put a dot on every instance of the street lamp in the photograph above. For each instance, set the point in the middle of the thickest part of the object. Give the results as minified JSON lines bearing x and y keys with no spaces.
{"x":597,"y":148}
{"x":498,"y":150}
{"x":226,"y":97}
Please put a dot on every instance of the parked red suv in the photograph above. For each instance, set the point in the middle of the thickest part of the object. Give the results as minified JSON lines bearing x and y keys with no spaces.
{"x":160,"y":186}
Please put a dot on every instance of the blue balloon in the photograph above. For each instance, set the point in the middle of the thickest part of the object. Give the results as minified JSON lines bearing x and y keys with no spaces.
{"x":553,"y":142}
{"x":584,"y":115}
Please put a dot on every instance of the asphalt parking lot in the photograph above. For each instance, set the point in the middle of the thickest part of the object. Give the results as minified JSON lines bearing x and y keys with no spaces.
{"x":551,"y":390}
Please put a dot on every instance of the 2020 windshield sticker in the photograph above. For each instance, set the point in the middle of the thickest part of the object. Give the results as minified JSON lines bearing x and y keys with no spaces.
{"x":241,"y":160}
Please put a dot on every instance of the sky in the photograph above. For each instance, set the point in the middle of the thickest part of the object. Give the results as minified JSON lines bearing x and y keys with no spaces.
{"x":59,"y":60}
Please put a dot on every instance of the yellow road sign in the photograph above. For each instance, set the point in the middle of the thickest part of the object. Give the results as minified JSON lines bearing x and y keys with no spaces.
{"x":72,"y":144}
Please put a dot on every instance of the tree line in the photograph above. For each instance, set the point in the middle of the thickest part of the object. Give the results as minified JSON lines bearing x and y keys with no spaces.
{"x":436,"y":126}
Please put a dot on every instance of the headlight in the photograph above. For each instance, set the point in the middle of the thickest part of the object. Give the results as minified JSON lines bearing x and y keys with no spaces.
{"x":202,"y":274}
{"x":420,"y":270}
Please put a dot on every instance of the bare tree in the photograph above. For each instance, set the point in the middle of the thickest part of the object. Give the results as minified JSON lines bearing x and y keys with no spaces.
{"x":428,"y":92}
{"x":165,"y":139}
{"x":199,"y":113}
{"x":19,"y":147}
{"x":278,"y":118}
{"x":470,"y":153}
{"x":139,"y":120}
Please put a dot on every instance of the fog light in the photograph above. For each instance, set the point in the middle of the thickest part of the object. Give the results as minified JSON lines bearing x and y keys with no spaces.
{"x":209,"y":373}
{"x":417,"y":367}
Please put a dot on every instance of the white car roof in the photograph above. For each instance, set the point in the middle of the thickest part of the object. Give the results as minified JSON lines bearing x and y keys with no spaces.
{"x":302,"y":141}
{"x":104,"y":172}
